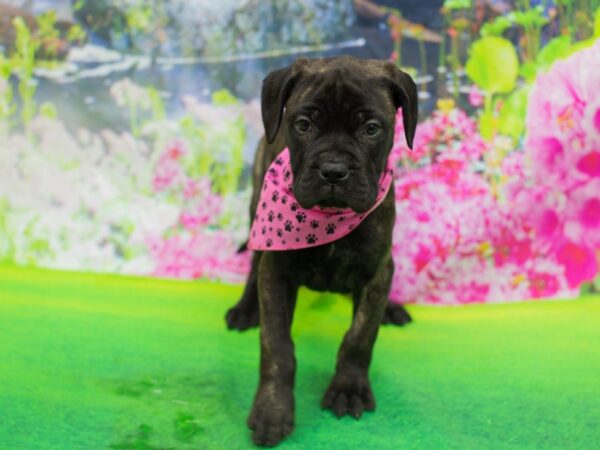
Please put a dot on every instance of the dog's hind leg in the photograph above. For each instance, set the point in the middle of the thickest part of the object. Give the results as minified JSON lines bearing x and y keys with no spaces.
{"x":395,"y":314}
{"x":244,"y":314}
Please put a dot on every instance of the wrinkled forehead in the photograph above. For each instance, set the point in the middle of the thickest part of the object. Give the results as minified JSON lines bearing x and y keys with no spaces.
{"x":342,"y":91}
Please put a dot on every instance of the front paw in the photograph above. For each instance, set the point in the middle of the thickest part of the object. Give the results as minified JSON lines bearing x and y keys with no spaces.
{"x":272,"y":416}
{"x":349,"y":394}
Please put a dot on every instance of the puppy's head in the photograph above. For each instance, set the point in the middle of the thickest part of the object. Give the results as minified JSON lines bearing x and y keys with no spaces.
{"x":338,"y":117}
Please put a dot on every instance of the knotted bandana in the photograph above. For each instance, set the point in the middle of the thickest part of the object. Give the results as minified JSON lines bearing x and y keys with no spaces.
{"x":280,"y":223}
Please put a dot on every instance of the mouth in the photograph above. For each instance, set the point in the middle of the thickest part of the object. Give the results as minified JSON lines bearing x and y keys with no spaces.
{"x":352,"y":194}
{"x":332,"y":202}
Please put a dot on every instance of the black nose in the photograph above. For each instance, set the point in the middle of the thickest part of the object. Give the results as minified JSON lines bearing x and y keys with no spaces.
{"x":333,"y":172}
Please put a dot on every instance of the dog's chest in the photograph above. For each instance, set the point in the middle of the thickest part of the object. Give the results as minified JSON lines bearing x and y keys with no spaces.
{"x":337,"y":267}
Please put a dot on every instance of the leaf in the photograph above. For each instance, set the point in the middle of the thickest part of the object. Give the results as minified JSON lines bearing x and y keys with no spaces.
{"x":511,"y":120}
{"x":557,"y":48}
{"x":223,"y":97}
{"x":457,"y":4}
{"x":48,"y":110}
{"x":496,"y":27}
{"x":493,"y":65}
{"x":528,"y":71}
{"x":597,"y":23}
{"x":582,"y":44}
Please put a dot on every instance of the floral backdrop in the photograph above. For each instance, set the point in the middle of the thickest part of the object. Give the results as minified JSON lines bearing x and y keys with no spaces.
{"x":498,"y":201}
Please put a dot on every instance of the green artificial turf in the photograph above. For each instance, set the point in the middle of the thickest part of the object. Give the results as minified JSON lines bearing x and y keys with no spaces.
{"x":105,"y":362}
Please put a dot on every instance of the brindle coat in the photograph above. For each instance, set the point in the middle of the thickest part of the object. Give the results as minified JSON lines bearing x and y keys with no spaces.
{"x":343,"y":101}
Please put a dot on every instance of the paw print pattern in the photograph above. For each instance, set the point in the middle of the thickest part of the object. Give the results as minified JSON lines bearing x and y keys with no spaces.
{"x":275,"y":197}
{"x":283,"y":199}
{"x":269,"y":243}
{"x":264,"y":230}
{"x":271,"y":216}
{"x":294,"y":206}
{"x":311,"y":239}
{"x":279,"y":217}
{"x":301,"y":217}
{"x":288,"y":225}
{"x":264,"y":205}
{"x":273,"y":172}
{"x":314,"y":224}
{"x":279,"y":161}
{"x":279,"y":232}
{"x":287,"y":175}
{"x":330,"y":229}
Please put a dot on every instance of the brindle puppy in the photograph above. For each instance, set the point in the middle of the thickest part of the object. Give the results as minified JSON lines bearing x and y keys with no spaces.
{"x":338,"y":111}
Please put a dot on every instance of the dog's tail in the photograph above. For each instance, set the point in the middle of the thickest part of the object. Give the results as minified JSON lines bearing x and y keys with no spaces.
{"x":242,"y":248}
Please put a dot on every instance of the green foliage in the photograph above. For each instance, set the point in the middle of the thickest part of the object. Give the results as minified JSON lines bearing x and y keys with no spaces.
{"x":458,"y":4}
{"x":487,"y":124}
{"x":156,"y":104}
{"x":24,"y":61}
{"x":493,"y":65}
{"x":597,"y":23}
{"x":7,"y":105}
{"x":223,"y":97}
{"x":217,"y":151}
{"x":528,"y":18}
{"x":511,"y":119}
{"x":557,"y":48}
{"x":76,"y":34}
{"x":47,"y":34}
{"x":48,"y":110}
{"x":139,"y":16}
{"x":496,"y":27}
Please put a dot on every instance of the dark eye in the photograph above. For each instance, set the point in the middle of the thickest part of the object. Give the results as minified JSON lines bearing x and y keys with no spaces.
{"x":302,"y":125}
{"x":372,"y":129}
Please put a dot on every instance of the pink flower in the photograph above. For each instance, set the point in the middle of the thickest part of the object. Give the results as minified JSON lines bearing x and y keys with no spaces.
{"x":475,"y":97}
{"x":509,"y":249}
{"x":590,"y":164}
{"x":547,"y":223}
{"x":543,"y":284}
{"x":579,"y":262}
{"x":548,"y":156}
{"x":589,"y":215}
{"x":175,"y":151}
{"x":472,"y":292}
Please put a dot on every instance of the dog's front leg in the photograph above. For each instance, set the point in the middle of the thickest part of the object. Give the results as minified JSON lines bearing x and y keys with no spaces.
{"x":272,"y":415}
{"x":350,"y":391}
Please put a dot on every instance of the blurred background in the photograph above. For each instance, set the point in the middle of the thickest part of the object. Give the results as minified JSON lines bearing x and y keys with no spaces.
{"x":128,"y":128}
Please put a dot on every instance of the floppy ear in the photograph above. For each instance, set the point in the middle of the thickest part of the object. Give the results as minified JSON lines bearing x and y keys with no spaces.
{"x":404,"y":91}
{"x":276,"y":90}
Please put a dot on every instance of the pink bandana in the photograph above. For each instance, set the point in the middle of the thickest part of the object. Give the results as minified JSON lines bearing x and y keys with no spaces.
{"x":280,"y":223}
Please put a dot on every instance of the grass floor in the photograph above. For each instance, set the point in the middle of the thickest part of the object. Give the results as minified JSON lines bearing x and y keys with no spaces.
{"x":102,"y":362}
